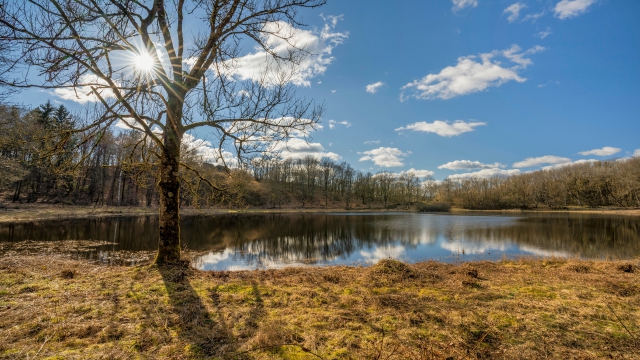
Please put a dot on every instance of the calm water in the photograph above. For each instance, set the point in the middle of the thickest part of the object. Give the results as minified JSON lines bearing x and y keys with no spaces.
{"x":276,"y":240}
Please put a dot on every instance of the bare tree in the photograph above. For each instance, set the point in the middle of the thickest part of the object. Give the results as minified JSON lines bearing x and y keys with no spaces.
{"x":88,"y":48}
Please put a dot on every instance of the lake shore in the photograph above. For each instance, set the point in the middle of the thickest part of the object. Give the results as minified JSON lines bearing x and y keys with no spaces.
{"x":529,"y":308}
{"x":32,"y":212}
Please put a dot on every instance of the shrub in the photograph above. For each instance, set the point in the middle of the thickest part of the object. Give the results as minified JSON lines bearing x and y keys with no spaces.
{"x":434,"y":207}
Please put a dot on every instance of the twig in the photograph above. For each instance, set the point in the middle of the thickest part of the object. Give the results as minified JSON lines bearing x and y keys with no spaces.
{"x":621,"y":323}
{"x":41,"y":346}
{"x":479,"y":341}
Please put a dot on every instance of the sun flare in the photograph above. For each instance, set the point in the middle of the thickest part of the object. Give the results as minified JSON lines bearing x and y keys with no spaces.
{"x":143,"y":62}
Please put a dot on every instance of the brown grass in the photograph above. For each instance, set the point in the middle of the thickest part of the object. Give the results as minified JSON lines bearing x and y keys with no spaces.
{"x":56,"y":308}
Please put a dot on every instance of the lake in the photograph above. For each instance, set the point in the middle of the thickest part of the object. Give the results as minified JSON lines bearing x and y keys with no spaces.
{"x":257,"y":241}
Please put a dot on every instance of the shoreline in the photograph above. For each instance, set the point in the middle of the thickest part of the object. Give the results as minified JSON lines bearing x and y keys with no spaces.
{"x":526,"y":308}
{"x":35,"y":212}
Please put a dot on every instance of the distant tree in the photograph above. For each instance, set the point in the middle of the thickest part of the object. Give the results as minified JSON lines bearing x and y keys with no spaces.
{"x":385,"y":182}
{"x":79,"y":46}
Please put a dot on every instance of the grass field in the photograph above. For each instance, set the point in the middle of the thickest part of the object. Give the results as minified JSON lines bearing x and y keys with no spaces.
{"x":55,"y":308}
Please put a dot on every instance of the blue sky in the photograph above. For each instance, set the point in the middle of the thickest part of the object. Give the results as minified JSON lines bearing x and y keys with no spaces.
{"x":468,"y":86}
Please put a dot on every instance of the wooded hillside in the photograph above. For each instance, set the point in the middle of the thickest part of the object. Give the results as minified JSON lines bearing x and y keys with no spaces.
{"x":46,"y":157}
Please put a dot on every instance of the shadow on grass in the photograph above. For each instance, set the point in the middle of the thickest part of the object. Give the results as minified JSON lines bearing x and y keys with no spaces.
{"x":195,"y":326}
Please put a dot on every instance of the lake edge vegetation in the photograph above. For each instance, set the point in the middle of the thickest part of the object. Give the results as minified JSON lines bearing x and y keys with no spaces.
{"x":53,"y":307}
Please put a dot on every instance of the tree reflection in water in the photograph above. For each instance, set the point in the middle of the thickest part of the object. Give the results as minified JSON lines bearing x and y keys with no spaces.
{"x":271,"y":240}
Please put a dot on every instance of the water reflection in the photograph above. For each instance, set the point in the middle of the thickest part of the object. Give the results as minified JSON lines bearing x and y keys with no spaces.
{"x":275,"y":240}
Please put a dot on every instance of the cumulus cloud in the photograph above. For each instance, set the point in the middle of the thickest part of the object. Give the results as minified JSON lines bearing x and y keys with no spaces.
{"x":384,"y":156}
{"x":372,"y":88}
{"x":537,"y":161}
{"x":484,"y":174}
{"x":192,"y":146}
{"x":557,"y":166}
{"x":418,"y":173}
{"x":125,"y":124}
{"x":297,"y":148}
{"x":443,"y":128}
{"x":468,"y":165}
{"x":514,"y":11}
{"x":472,"y":74}
{"x":372,"y":142}
{"x":605,"y":151}
{"x":84,"y":93}
{"x":281,"y":39}
{"x":570,"y":8}
{"x":461,"y":4}
{"x":636,"y":153}
{"x":333,"y":123}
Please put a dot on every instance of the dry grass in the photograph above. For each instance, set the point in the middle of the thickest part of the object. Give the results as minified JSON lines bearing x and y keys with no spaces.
{"x":52,"y":307}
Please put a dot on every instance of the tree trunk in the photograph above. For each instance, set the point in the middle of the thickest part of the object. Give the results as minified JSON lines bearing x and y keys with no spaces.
{"x":169,"y":186}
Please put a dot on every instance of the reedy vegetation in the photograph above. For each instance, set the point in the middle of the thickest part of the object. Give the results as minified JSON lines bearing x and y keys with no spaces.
{"x":43,"y":160}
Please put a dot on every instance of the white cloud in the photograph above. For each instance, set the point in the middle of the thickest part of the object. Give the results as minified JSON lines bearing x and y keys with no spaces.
{"x":468,"y":165}
{"x":557,"y":166}
{"x":605,"y":151}
{"x":544,"y":34}
{"x":443,"y":128}
{"x":372,"y":142}
{"x":206,"y":152}
{"x":470,"y":75}
{"x":533,"y":17}
{"x":571,"y":8}
{"x":484,"y":174}
{"x":281,"y":40}
{"x":372,"y":88}
{"x":297,"y":148}
{"x":243,"y":93}
{"x":84,"y":94}
{"x":636,"y":153}
{"x":125,"y":124}
{"x":461,"y":4}
{"x":418,"y":173}
{"x":514,"y":54}
{"x":332,"y":123}
{"x":537,"y":161}
{"x":333,"y":91}
{"x":514,"y":11}
{"x":384,"y":156}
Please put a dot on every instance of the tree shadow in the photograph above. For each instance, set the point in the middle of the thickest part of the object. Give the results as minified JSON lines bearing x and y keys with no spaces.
{"x":193,"y":322}
{"x":207,"y":334}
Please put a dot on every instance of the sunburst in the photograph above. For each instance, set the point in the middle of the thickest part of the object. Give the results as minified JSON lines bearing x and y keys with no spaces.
{"x":143,"y":62}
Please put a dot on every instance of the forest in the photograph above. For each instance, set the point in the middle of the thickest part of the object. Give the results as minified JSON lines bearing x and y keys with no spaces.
{"x":47,"y":157}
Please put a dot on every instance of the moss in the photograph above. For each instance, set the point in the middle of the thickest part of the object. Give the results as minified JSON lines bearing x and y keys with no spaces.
{"x":538,"y":292}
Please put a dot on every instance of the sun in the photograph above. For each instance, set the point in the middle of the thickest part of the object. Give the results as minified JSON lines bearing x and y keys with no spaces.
{"x":143,"y":62}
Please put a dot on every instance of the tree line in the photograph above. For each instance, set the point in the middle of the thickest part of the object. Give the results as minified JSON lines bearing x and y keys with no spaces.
{"x":46,"y":157}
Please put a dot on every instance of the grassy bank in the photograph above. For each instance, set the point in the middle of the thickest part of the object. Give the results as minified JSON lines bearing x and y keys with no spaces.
{"x":52,"y":307}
